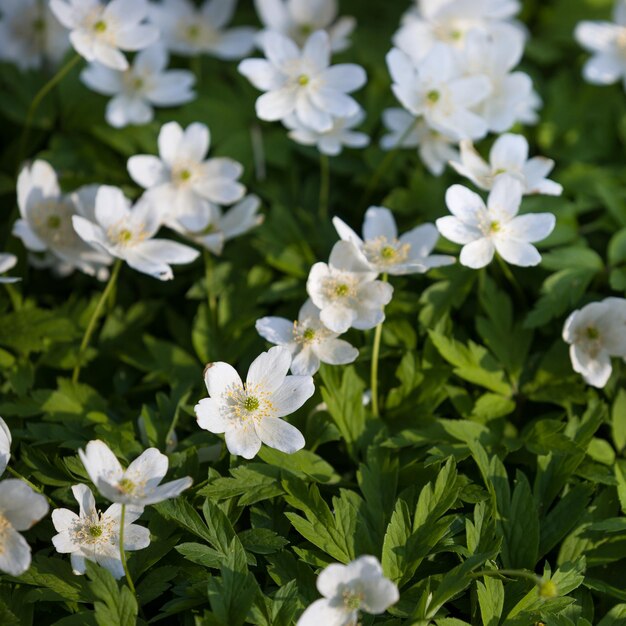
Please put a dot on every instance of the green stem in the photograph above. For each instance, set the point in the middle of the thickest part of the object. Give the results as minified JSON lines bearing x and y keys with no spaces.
{"x":129,"y":580}
{"x":196,"y":68}
{"x":211,"y":299}
{"x":378,"y":333}
{"x":37,"y":100}
{"x":385,"y":164}
{"x":94,"y":318}
{"x":510,"y":277}
{"x":324,"y":186}
{"x":516,"y":573}
{"x":34,"y":487}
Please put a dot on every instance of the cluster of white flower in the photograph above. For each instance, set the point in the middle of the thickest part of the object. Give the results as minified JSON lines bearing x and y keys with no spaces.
{"x":453,"y":71}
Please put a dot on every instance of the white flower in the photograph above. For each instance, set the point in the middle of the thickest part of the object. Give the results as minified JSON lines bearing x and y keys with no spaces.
{"x":512,"y":98}
{"x":508,"y":156}
{"x":99,"y":32}
{"x":46,"y":221}
{"x":405,"y":130}
{"x":5,"y":445}
{"x":222,"y":227}
{"x":436,"y":89}
{"x":301,"y":81}
{"x":347,"y":589}
{"x":346,"y":290}
{"x":595,"y":334}
{"x":190,"y":31}
{"x":95,"y":536}
{"x":249,"y":414}
{"x":297,"y":19}
{"x":183,"y":185}
{"x":496,"y":227}
{"x":386,"y":253}
{"x":330,"y":142}
{"x":7,"y":261}
{"x":20,"y":508}
{"x":139,"y":485}
{"x":30,"y":35}
{"x":607,"y":42}
{"x":144,"y":85}
{"x":308,"y":340}
{"x":127,"y":233}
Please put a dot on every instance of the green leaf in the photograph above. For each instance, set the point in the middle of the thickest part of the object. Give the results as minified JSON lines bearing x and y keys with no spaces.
{"x":113,"y":606}
{"x":618,"y":420}
{"x":490,"y":600}
{"x":615,"y":617}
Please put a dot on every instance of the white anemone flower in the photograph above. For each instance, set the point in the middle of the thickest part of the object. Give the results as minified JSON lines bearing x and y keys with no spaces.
{"x":496,"y":227}
{"x":330,"y":142}
{"x":93,"y":535}
{"x":182,"y":183}
{"x":224,"y":226}
{"x":45,"y":225}
{"x":99,"y":32}
{"x":5,"y":445}
{"x":249,"y":414}
{"x":405,"y":130}
{"x":346,"y":290}
{"x":301,"y":81}
{"x":189,"y":31}
{"x":308,"y":340}
{"x":127,"y":233}
{"x":607,"y":43}
{"x":596,"y":333}
{"x":508,"y":157}
{"x":437,"y":89}
{"x":7,"y":261}
{"x":386,"y":253}
{"x":20,"y":508}
{"x":139,"y":484}
{"x":146,"y":84}
{"x":347,"y":589}
{"x":297,"y":19}
{"x":30,"y":35}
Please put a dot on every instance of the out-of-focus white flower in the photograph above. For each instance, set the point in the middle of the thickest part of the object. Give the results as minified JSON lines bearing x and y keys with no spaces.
{"x":308,"y":340}
{"x":297,"y":19}
{"x":607,"y":43}
{"x":95,"y":536}
{"x":20,"y":508}
{"x":346,"y":290}
{"x":437,"y":89}
{"x":596,"y":333}
{"x":182,"y":184}
{"x":7,"y":261}
{"x":5,"y":445}
{"x":512,"y":97}
{"x":139,"y":484}
{"x":223,"y":226}
{"x":385,"y":252}
{"x":249,"y":414}
{"x":330,"y":142}
{"x":99,"y":32}
{"x":127,"y":233}
{"x":484,"y":230}
{"x":347,"y":589}
{"x":405,"y":130}
{"x":46,"y":226}
{"x":508,"y":157}
{"x":144,"y":85}
{"x":188,"y":30}
{"x":301,"y":81}
{"x":30,"y":35}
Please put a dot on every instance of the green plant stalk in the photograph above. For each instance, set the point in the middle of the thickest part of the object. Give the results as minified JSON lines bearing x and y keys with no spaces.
{"x":324,"y":186}
{"x":37,"y":100}
{"x":94,"y":318}
{"x":129,"y":580}
{"x":378,"y":333}
{"x":211,"y":299}
{"x":34,"y":487}
{"x":508,"y":274}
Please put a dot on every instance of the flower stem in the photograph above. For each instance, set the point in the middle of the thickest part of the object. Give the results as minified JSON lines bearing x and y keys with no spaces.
{"x":129,"y":580}
{"x":94,"y":318}
{"x":374,"y":367}
{"x":211,"y":300}
{"x":510,"y":277}
{"x":324,"y":186}
{"x":37,"y":100}
{"x":34,"y":487}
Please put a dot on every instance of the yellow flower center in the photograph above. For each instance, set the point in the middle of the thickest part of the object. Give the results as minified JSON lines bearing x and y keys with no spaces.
{"x":352,"y":600}
{"x":100,"y":26}
{"x":124,"y":235}
{"x":433,"y":96}
{"x":303,"y":80}
{"x":251,"y":403}
{"x":95,"y":530}
{"x":54,"y":221}
{"x":592,"y":333}
{"x":125,"y":485}
{"x":185,"y":175}
{"x":342,"y":290}
{"x":494,"y":227}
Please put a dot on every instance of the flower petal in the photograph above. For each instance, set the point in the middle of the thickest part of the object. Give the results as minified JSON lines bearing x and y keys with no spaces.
{"x":477,"y":253}
{"x":292,"y":394}
{"x":280,"y":435}
{"x":268,"y":370}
